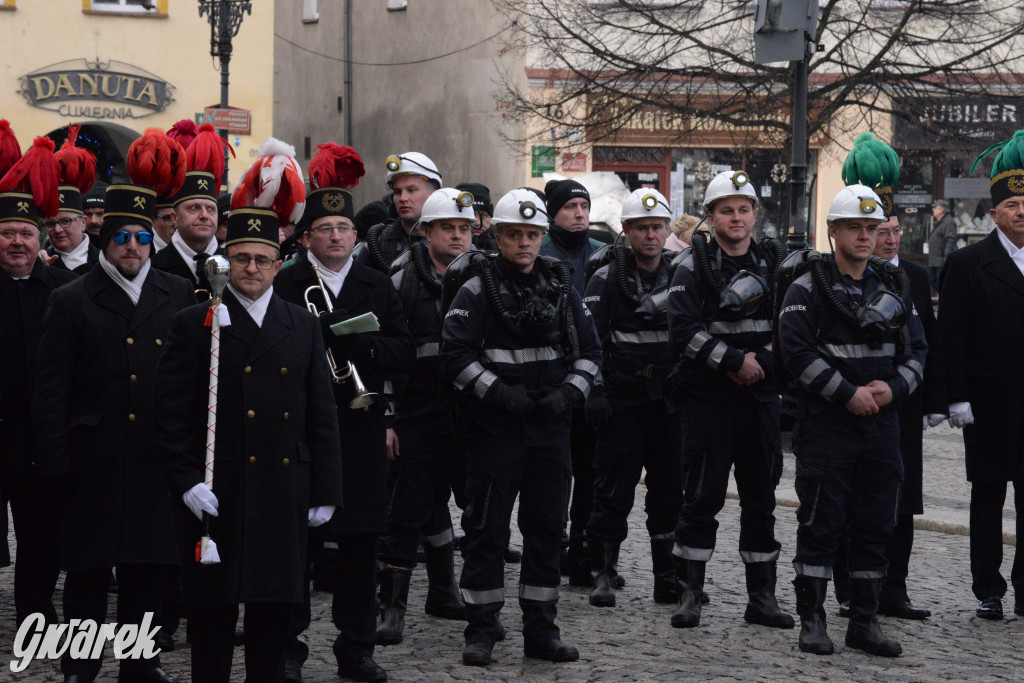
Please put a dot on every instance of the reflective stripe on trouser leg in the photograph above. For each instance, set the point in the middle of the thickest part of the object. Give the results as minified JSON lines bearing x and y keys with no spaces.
{"x":442,"y":539}
{"x":695,"y":554}
{"x":485,"y":597}
{"x":751,"y":557}
{"x":812,"y":571}
{"x":538,"y":593}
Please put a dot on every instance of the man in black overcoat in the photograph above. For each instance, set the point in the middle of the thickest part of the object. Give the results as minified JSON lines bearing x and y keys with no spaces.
{"x":328,"y":235}
{"x":26,"y":284}
{"x":103,"y":336}
{"x":195,"y":216}
{"x":981,"y":319}
{"x":277,"y":460}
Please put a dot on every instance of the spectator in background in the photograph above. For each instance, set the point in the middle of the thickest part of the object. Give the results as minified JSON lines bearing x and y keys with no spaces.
{"x":941,"y":242}
{"x":682,"y":229}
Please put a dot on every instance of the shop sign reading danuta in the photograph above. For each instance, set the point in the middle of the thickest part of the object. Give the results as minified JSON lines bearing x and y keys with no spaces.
{"x":96,"y":90}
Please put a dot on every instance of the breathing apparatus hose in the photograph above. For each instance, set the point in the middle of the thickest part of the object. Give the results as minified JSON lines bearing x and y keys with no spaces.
{"x":421,"y":262}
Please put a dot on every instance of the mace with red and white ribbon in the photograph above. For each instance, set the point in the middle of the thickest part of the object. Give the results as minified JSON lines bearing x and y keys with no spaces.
{"x":218,"y":270}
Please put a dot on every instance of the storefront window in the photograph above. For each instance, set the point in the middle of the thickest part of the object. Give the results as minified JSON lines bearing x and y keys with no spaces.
{"x":692,"y":169}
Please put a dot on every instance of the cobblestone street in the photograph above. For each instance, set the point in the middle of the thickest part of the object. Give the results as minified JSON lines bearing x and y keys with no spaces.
{"x":635,"y":642}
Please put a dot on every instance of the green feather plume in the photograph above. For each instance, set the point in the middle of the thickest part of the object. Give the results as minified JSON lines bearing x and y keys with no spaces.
{"x":871,"y":162}
{"x":1011,"y":155}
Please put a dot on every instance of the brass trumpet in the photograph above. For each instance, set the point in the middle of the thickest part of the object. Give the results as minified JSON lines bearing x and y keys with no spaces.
{"x":363,"y":399}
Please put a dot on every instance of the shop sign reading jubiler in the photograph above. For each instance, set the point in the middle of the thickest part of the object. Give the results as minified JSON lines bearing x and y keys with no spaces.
{"x":97,"y":90}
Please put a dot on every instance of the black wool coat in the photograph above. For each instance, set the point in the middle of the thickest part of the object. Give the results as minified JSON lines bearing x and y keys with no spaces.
{"x":91,"y":260}
{"x":392,"y":352}
{"x":95,"y":406}
{"x":276,"y":453}
{"x":929,"y":398}
{"x":981,"y":319}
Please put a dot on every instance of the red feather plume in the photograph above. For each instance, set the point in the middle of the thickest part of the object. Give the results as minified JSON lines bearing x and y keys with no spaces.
{"x":77,"y":165}
{"x":37,"y":173}
{"x":158,"y":162}
{"x":273,"y":181}
{"x":206,"y":153}
{"x":10,"y":150}
{"x":183,"y":132}
{"x":335,"y":166}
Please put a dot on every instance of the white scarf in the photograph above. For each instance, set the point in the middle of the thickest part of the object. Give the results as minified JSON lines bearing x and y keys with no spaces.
{"x":178,"y":242}
{"x":158,"y":242}
{"x":332,"y":280}
{"x":257,"y":310}
{"x":133,"y":287}
{"x":78,"y":256}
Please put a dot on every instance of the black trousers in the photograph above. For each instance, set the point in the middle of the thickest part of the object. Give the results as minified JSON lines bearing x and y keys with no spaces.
{"x":897,"y":551}
{"x":716,"y":437}
{"x":420,"y":490}
{"x":644,"y":436}
{"x":498,"y":470}
{"x":36,"y":511}
{"x":353,"y":606}
{"x":987,"y":500}
{"x":848,"y":475}
{"x":213,"y":635}
{"x":582,"y":444}
{"x":85,"y":597}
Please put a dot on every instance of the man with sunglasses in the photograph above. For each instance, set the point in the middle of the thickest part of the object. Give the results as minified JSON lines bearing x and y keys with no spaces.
{"x":851,"y":374}
{"x":103,"y":336}
{"x":327,"y":233}
{"x":69,"y":249}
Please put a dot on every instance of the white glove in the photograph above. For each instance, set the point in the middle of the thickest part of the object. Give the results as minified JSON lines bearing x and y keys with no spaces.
{"x":960,"y":414}
{"x":320,"y":515}
{"x":932,"y":420}
{"x":200,"y":499}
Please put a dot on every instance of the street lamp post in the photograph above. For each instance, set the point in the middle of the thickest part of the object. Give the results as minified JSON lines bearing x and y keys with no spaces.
{"x":225,"y":17}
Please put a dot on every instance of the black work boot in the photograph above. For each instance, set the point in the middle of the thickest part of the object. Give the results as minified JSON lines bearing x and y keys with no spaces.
{"x":690,"y":574}
{"x":579,"y":563}
{"x":810,"y":605}
{"x":864,"y":633}
{"x":604,"y":557}
{"x":394,"y":595}
{"x":762,"y":607}
{"x":666,"y":588}
{"x":443,"y":597}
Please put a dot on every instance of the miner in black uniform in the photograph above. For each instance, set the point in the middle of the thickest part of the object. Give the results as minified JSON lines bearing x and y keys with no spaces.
{"x":421,"y":474}
{"x":277,"y":453}
{"x":720,"y":326}
{"x":195,"y":215}
{"x":849,"y":334}
{"x":520,"y":347}
{"x":26,"y":285}
{"x":411,"y":177}
{"x":92,"y":207}
{"x":69,"y":247}
{"x":328,"y":235}
{"x":568,"y":239}
{"x":628,"y":298}
{"x":103,"y":337}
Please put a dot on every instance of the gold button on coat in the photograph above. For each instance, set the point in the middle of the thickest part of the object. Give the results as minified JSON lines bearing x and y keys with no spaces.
{"x":248,"y":369}
{"x":251,"y":413}
{"x":286,"y":416}
{"x":159,"y":342}
{"x":130,"y":340}
{"x":131,"y":417}
{"x":252,"y":459}
{"x":134,"y":378}
{"x":284,"y":371}
{"x":285,"y":462}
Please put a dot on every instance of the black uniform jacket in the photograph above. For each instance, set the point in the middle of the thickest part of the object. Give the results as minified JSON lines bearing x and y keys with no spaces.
{"x":391,"y":352}
{"x":97,"y":417}
{"x":22,"y":303}
{"x":276,"y":452}
{"x":981,"y":319}
{"x":169,"y":260}
{"x":91,"y":260}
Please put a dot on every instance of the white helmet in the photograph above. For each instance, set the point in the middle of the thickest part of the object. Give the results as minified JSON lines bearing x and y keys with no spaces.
{"x":729,"y":184}
{"x":645,"y":203}
{"x":855,"y":201}
{"x":520,"y":206}
{"x":411,"y":163}
{"x":448,"y":203}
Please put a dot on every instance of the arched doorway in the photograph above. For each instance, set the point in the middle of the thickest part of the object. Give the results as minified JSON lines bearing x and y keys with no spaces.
{"x":108,"y":141}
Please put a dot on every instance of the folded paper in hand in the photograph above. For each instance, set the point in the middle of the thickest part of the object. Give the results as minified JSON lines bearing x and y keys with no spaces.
{"x":367,"y":322}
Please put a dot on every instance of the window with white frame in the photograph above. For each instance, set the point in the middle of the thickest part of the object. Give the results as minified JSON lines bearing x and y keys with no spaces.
{"x":126,"y":6}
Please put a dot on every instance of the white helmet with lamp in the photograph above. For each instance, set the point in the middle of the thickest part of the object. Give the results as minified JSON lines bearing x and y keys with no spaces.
{"x":520,"y":207}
